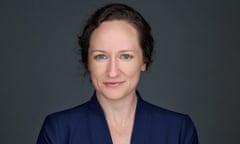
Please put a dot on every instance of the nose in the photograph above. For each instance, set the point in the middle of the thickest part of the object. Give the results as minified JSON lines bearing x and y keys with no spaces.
{"x":113,"y":70}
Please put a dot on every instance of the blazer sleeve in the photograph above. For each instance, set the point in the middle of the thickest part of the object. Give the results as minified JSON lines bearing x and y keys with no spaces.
{"x":48,"y":132}
{"x":188,"y":132}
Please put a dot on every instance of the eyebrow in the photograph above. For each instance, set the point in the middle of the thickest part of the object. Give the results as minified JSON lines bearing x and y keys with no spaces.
{"x":127,"y":50}
{"x":92,"y":51}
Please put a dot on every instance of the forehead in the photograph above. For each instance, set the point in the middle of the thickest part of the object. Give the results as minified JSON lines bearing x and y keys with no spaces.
{"x":115,"y":34}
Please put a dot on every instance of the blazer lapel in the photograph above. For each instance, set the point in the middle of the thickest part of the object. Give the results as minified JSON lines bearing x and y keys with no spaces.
{"x":141,"y":130}
{"x":98,"y":128}
{"x":99,"y":131}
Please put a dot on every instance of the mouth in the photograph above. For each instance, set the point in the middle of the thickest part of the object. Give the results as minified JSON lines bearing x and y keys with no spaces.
{"x":113,"y":84}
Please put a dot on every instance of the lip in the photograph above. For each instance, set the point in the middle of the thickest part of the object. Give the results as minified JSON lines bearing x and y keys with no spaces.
{"x":113,"y":84}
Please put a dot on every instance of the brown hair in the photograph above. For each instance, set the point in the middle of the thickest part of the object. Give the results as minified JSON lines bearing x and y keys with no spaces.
{"x":117,"y":12}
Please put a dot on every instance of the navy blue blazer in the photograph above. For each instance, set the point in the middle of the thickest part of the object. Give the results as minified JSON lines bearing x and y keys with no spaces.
{"x":86,"y":124}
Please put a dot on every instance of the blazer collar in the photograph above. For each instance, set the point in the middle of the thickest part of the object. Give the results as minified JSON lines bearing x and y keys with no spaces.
{"x":100,"y":132}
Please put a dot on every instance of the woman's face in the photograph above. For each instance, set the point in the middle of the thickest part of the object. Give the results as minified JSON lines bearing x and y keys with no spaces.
{"x":115,"y":60}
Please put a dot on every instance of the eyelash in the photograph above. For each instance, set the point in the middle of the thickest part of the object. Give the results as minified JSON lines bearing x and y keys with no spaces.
{"x":122,"y":56}
{"x":100,"y":57}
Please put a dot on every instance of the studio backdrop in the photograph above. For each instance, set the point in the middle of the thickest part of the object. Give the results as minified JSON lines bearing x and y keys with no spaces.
{"x":195,"y":66}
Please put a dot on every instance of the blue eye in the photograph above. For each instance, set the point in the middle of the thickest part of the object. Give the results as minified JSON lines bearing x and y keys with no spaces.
{"x":125,"y":56}
{"x":100,"y":57}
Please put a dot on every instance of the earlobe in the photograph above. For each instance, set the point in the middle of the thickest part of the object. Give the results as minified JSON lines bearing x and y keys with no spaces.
{"x":143,"y":68}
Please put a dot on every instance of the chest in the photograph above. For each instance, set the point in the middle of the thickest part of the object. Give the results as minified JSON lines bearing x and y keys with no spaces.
{"x":121,"y":134}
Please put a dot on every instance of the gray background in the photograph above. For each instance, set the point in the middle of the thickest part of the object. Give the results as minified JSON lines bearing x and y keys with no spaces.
{"x":195,"y":69}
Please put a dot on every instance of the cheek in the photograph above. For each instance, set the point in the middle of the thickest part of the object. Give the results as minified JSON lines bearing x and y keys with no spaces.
{"x":95,"y":76}
{"x":132,"y":71}
{"x":96,"y":70}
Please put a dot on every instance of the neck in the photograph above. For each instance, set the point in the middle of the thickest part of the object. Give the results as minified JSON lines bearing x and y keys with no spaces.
{"x":120,"y":111}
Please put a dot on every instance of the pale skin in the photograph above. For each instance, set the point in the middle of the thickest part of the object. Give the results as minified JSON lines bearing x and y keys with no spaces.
{"x":115,"y":65}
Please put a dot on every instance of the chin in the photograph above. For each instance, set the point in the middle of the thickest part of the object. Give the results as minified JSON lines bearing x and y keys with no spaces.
{"x":112,"y":95}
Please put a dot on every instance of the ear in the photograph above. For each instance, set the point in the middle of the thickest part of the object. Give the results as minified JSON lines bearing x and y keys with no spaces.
{"x":143,"y":67}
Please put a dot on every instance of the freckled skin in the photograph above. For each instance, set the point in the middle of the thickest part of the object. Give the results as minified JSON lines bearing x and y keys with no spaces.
{"x":115,"y":60}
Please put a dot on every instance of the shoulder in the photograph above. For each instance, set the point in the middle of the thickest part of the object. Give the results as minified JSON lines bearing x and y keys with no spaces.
{"x":162,"y":117}
{"x":59,"y":125}
{"x":158,"y":113}
{"x":69,"y":115}
{"x":163,"y":113}
{"x":65,"y":119}
{"x":169,"y":123}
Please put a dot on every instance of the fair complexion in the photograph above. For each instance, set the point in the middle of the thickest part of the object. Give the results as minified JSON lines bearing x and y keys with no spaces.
{"x":115,"y":65}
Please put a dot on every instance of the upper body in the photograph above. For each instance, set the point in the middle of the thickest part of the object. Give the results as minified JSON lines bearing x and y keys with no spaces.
{"x":116,"y":47}
{"x":86,"y":124}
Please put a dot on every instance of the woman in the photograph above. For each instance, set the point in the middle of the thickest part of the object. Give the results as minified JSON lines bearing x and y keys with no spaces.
{"x":116,"y":47}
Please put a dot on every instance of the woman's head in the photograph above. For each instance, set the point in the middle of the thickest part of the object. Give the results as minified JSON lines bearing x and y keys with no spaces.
{"x":117,"y":12}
